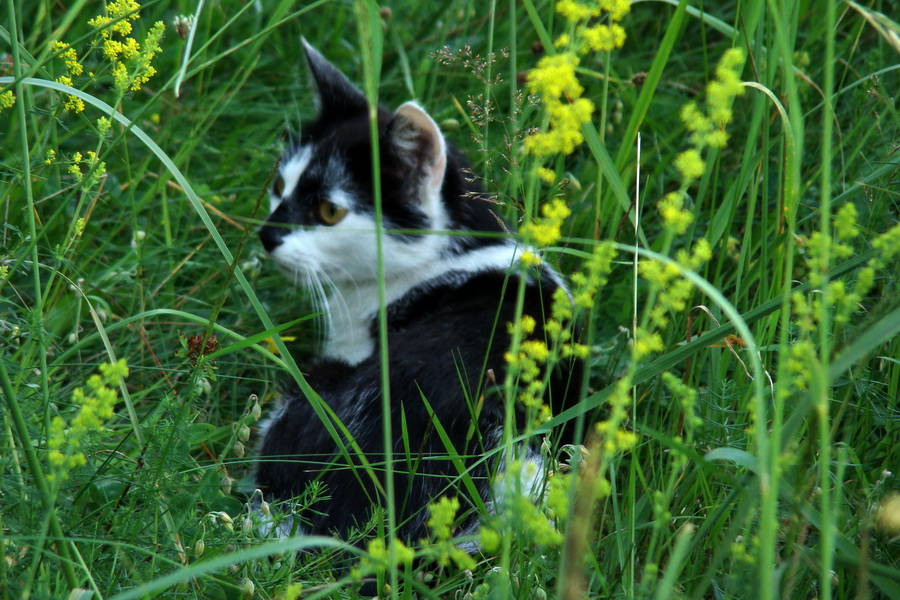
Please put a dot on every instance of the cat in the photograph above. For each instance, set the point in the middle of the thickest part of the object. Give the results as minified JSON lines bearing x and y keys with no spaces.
{"x":450,"y":287}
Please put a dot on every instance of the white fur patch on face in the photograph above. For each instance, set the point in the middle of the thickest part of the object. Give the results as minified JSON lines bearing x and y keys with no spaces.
{"x":291,"y":170}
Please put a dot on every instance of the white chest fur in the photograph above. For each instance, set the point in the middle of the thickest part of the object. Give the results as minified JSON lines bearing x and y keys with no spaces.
{"x":354,"y":308}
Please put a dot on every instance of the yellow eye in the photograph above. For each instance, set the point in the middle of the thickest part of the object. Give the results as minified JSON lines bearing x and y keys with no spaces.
{"x":278,"y":186}
{"x":330,"y":213}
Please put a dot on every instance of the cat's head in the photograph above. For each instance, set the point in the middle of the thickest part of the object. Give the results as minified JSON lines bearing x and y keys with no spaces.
{"x":322,"y":217}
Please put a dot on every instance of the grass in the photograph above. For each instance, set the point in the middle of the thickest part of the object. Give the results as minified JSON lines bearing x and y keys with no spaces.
{"x":767,"y":474}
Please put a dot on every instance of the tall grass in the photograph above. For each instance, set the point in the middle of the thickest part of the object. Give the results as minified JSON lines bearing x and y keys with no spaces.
{"x":767,"y":472}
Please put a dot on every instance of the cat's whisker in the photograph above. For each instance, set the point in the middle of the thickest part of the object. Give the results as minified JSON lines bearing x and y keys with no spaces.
{"x":323,"y":304}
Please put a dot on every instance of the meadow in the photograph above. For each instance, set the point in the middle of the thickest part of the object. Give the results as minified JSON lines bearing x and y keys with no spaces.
{"x":718,"y":181}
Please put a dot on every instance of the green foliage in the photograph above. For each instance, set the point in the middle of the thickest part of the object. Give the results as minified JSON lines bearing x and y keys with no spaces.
{"x":741,"y":428}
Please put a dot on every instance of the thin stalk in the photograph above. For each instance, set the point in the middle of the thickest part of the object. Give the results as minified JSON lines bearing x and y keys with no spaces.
{"x":38,"y":322}
{"x":769,"y":449}
{"x":632,"y":526}
{"x":822,"y":409}
{"x":488,"y":75}
{"x":369,"y":27}
{"x":34,"y":466}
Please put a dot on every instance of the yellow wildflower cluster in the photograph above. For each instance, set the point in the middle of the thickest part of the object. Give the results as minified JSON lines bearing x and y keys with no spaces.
{"x":442,"y":515}
{"x":530,"y":362}
{"x":835,"y":294}
{"x":87,"y":170}
{"x":127,"y":48}
{"x":687,"y":398}
{"x":114,"y":29}
{"x":727,"y":84}
{"x":378,"y":557}
{"x":119,"y":15}
{"x":73,"y":69}
{"x":548,"y":176}
{"x":103,"y":125}
{"x":69,"y":56}
{"x":544,"y":231}
{"x":131,"y":60}
{"x":520,"y":516}
{"x":613,"y":437}
{"x":586,"y":284}
{"x":7,"y":100}
{"x":526,"y":364}
{"x":604,"y":38}
{"x":555,"y":82}
{"x":675,"y":217}
{"x":801,"y":355}
{"x":674,"y":290}
{"x":96,"y":406}
{"x":141,"y":68}
{"x":558,"y":491}
{"x":646,"y":343}
{"x":554,"y":78}
{"x":708,"y":128}
{"x":597,"y":37}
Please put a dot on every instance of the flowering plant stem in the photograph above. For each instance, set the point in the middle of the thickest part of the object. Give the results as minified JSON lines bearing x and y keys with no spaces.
{"x":34,"y":465}
{"x":11,"y":401}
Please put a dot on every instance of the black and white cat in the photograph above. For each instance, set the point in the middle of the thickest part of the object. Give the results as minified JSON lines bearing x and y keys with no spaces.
{"x":450,"y":281}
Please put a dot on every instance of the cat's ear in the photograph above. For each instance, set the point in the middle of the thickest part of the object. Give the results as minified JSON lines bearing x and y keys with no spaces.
{"x":418,"y":142}
{"x":335,"y":96}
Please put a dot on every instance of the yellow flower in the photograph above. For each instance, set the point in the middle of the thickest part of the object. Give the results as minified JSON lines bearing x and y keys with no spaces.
{"x":114,"y":22}
{"x":575,"y":11}
{"x":675,"y":217}
{"x":270,"y":343}
{"x":555,"y":81}
{"x":603,"y":38}
{"x":845,"y":222}
{"x":7,"y":100}
{"x":536,"y":349}
{"x":490,"y":539}
{"x":617,"y":9}
{"x":646,"y":343}
{"x":548,"y":176}
{"x":690,"y":164}
{"x":103,"y":125}
{"x":554,"y":76}
{"x":717,"y":138}
{"x":547,"y":230}
{"x":526,"y":325}
{"x":95,"y":407}
{"x":120,"y":76}
{"x":530,"y":259}
{"x":70,"y":56}
{"x":693,"y":118}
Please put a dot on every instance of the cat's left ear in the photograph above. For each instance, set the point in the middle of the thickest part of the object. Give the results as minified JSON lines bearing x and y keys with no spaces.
{"x":418,"y":142}
{"x":336,"y":98}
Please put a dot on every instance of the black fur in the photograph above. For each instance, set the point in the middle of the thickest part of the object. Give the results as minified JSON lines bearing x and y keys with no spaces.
{"x":446,"y":337}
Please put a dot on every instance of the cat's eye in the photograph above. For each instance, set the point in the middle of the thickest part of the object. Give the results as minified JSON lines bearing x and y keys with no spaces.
{"x":278,"y":186}
{"x":330,"y":213}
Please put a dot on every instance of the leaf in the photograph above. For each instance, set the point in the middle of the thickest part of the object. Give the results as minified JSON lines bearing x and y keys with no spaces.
{"x":738,"y":457}
{"x":198,"y":432}
{"x":258,"y":337}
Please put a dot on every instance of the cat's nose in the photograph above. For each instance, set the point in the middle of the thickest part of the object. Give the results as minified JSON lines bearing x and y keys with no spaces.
{"x":271,"y":236}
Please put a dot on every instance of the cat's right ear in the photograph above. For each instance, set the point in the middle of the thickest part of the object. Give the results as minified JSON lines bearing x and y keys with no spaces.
{"x":336,"y":97}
